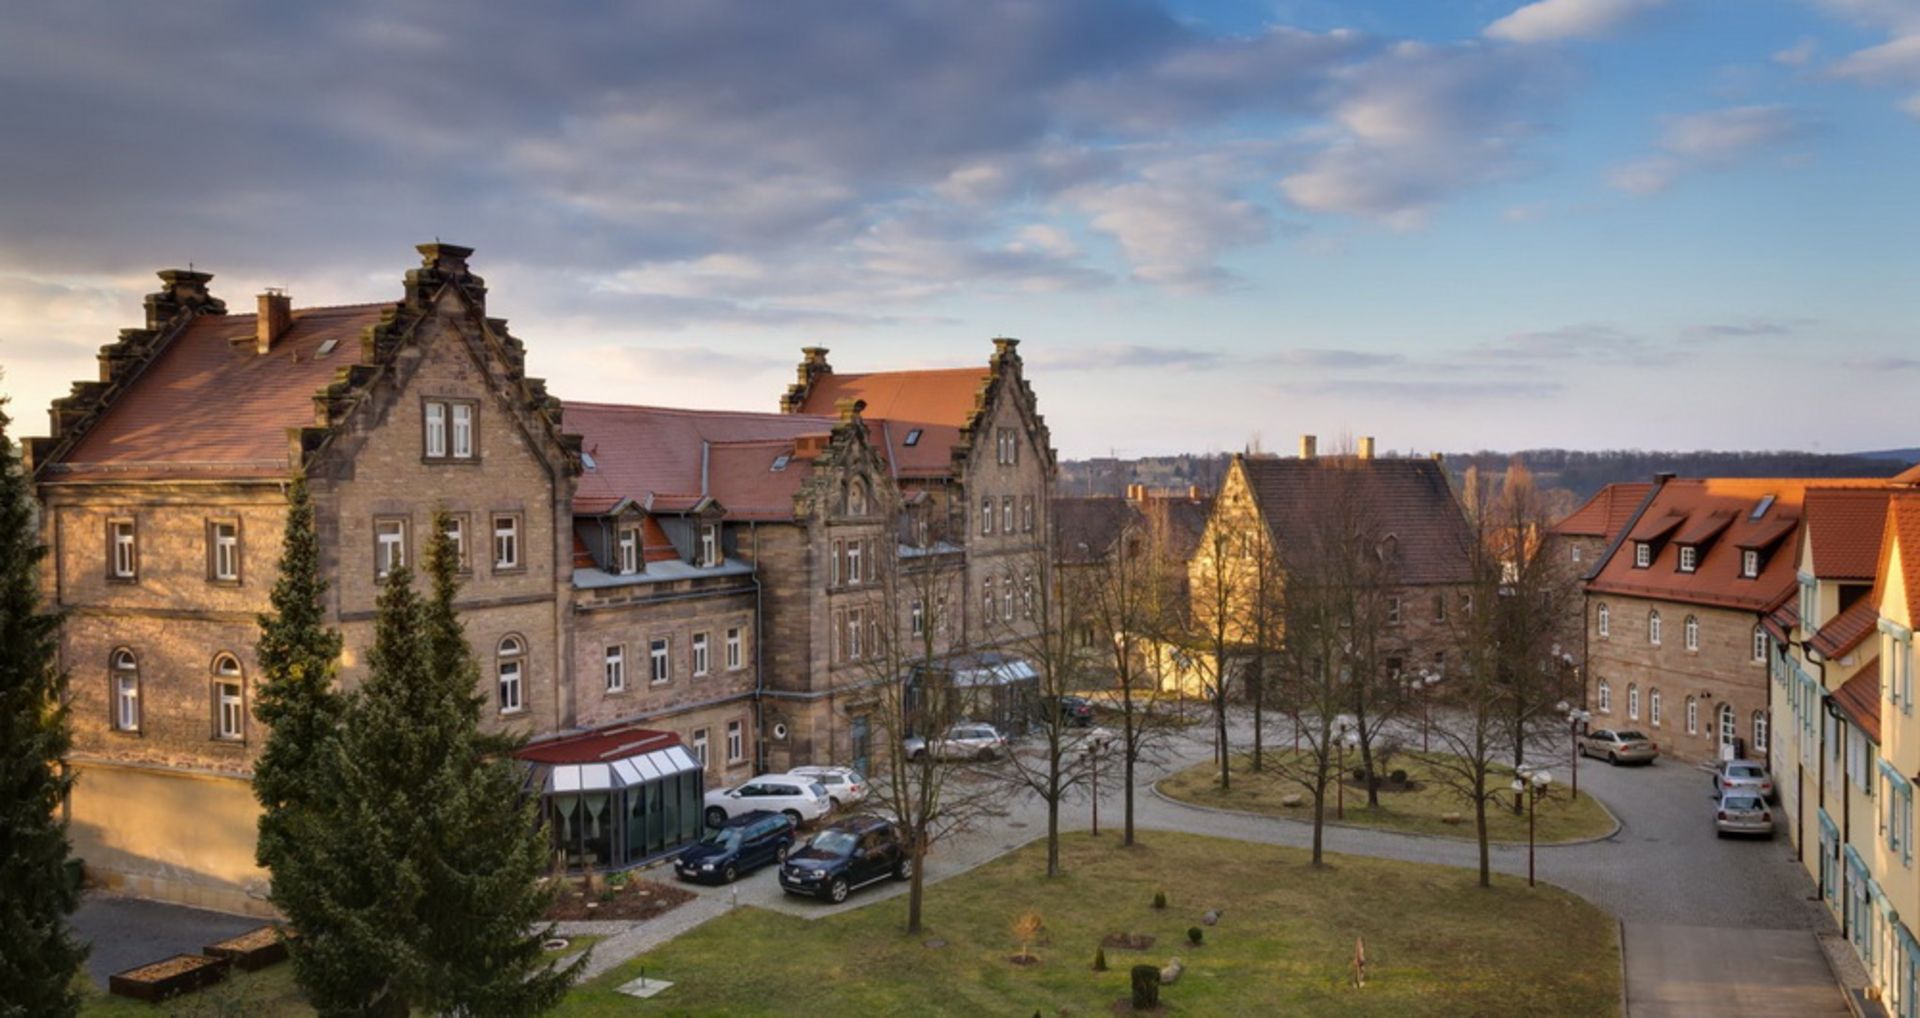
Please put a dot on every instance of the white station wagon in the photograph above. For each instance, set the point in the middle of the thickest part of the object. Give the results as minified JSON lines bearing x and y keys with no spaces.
{"x":800,"y":798}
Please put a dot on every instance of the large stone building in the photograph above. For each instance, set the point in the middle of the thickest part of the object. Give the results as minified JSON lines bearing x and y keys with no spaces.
{"x":687,"y":591}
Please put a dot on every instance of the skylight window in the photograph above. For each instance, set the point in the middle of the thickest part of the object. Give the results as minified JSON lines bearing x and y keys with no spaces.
{"x":1761,"y":509}
{"x":913,"y":437}
{"x":586,"y":460}
{"x":780,"y":462}
{"x":326,"y":347}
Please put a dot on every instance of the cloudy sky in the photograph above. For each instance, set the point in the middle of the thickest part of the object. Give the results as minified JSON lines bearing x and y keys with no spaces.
{"x":1462,"y":224}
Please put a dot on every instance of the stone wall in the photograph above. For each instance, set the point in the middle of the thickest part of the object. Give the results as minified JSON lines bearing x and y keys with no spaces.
{"x":1723,"y":670}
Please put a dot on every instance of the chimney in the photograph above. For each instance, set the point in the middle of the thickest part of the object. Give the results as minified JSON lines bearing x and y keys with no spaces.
{"x":270,"y":325}
{"x":1193,"y":492}
{"x":447,"y":259}
{"x":849,"y":408}
{"x":1307,"y":447}
{"x":1136,"y":492}
{"x":1366,"y":447}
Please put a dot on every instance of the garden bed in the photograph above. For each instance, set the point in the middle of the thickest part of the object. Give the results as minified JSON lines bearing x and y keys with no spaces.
{"x":615,"y":899}
{"x":254,"y":949}
{"x":182,"y":973}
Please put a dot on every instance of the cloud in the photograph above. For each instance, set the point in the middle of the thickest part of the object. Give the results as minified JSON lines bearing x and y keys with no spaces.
{"x":1799,"y":54}
{"x":1562,"y":20}
{"x":1128,"y":356}
{"x":1428,"y":391}
{"x":1177,"y":217}
{"x":1749,"y":328}
{"x":1592,"y":341}
{"x":1715,"y":139}
{"x":1889,"y":363}
{"x":1894,"y":61}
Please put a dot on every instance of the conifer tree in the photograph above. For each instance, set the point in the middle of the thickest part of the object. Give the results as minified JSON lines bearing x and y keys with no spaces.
{"x":38,"y":955}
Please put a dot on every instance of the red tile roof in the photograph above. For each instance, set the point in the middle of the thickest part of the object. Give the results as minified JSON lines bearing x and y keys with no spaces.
{"x":1844,"y":527}
{"x":1903,"y":528}
{"x":1606,"y":512}
{"x":615,"y":743}
{"x":676,"y":456}
{"x":1085,"y":528}
{"x":940,"y":396}
{"x":930,"y":455}
{"x":1782,"y":615}
{"x":1716,"y":579}
{"x":1911,"y":475}
{"x":1849,"y":629}
{"x":209,"y":405}
{"x":1859,"y":699}
{"x":1411,"y":500}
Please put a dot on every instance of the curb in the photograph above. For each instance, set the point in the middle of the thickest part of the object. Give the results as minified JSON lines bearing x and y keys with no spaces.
{"x":1620,"y":946}
{"x":1491,"y":842}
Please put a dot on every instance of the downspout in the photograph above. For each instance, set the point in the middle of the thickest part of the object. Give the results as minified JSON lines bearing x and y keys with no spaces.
{"x":759,"y":656}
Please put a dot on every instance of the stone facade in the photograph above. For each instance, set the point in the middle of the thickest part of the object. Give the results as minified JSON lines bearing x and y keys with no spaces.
{"x":1716,"y":671}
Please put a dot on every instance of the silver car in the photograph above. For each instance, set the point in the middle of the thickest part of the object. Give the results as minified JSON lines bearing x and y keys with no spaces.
{"x":844,"y":784}
{"x":969,"y":740}
{"x":1742,"y":813}
{"x":1619,"y":747}
{"x":1743,"y":776}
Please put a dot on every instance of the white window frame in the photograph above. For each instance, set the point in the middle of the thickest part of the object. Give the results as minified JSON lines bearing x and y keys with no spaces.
{"x":986,"y":515}
{"x":710,"y":545}
{"x":660,"y":660}
{"x":987,"y":603}
{"x":1689,"y":558}
{"x":1633,"y":701}
{"x":1692,"y":632}
{"x":124,"y":554}
{"x":1761,"y":643}
{"x":628,"y":546}
{"x":917,"y":616}
{"x":1653,"y":707}
{"x":225,"y":535}
{"x":389,"y":545}
{"x":1006,"y":596}
{"x":736,"y":741}
{"x":510,"y":671}
{"x":461,"y":429}
{"x":1761,"y":731}
{"x":1603,"y":696}
{"x":701,"y":737}
{"x":1006,"y":514}
{"x":853,"y":562}
{"x":1749,"y":563}
{"x":457,"y":532}
{"x":1693,"y":716}
{"x":701,"y":657}
{"x":1603,"y":621}
{"x":616,"y":667}
{"x":1653,"y":628}
{"x":1393,"y":610}
{"x":736,"y":660}
{"x":435,"y":426}
{"x":506,"y":542}
{"x":125,"y":668}
{"x":1642,"y":554}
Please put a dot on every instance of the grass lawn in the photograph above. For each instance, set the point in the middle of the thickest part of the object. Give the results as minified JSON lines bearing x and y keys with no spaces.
{"x":268,"y":993}
{"x":1559,"y":816}
{"x":1436,"y":943}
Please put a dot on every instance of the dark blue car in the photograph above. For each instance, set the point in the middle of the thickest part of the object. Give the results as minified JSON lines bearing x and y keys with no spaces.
{"x":741,"y":845}
{"x":845,"y":856}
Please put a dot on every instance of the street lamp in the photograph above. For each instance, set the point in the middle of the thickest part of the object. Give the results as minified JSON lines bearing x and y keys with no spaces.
{"x":1424,"y":684}
{"x":1344,"y":735}
{"x":1531,"y":785}
{"x":1577,"y":718}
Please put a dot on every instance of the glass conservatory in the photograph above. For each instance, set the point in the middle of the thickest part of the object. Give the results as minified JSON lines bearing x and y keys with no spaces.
{"x":618,"y":796}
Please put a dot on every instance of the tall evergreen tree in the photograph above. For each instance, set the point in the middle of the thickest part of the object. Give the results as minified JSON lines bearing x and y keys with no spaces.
{"x":38,"y":955}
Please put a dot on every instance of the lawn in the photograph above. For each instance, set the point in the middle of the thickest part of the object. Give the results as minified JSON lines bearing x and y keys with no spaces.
{"x":1436,"y":943}
{"x":1559,"y":817}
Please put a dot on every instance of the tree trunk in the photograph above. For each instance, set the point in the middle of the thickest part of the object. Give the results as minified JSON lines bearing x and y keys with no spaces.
{"x":1480,"y":825}
{"x":1519,"y":757}
{"x":1366,"y":765}
{"x":1319,"y":815}
{"x":1053,"y":813}
{"x":1220,"y":736}
{"x":1132,"y":751}
{"x":1259,"y":680}
{"x":915,"y":887}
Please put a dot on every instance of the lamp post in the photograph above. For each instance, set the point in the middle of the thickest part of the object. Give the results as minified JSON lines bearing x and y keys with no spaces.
{"x":1576,"y":719}
{"x":1343,"y":734}
{"x":1424,"y":684}
{"x":1530,"y":785}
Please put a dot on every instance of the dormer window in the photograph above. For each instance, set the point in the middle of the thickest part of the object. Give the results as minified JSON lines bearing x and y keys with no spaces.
{"x":710,"y":545}
{"x":1689,"y":558}
{"x":913,"y":437}
{"x":780,"y":463}
{"x":1750,"y":563}
{"x":629,"y":550}
{"x":1642,"y":554}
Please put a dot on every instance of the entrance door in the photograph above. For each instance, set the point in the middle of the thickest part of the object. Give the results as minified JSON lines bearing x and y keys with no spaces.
{"x":862,"y":745}
{"x":1729,"y":733}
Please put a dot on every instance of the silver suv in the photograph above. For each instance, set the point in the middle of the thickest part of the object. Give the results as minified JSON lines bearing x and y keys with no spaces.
{"x":969,"y":740}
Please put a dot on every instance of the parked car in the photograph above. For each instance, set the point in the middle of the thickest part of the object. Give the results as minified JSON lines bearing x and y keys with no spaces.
{"x":969,"y":740}
{"x":1743,"y":776}
{"x":1742,"y":812}
{"x":844,"y":785}
{"x":801,"y":799}
{"x":1619,"y":747}
{"x":1075,"y":711}
{"x":741,"y":845}
{"x":846,"y":856}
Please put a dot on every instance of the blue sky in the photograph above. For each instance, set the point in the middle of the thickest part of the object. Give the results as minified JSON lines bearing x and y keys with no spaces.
{"x":1474,"y":224}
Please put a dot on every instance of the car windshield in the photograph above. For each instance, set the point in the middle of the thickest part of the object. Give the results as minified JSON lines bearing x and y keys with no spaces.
{"x":1745,"y":771}
{"x":832,"y":842}
{"x":1740,"y":802}
{"x":1631,"y":737}
{"x":725,"y":837}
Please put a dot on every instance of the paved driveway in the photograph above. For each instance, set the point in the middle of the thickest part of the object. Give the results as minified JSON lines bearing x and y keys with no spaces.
{"x":1692,"y":971}
{"x":126,"y":932}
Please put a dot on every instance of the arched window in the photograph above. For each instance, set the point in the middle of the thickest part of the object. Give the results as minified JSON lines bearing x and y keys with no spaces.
{"x":229,"y":699}
{"x":1603,"y":696}
{"x":125,"y":680}
{"x":1760,"y":732}
{"x":857,"y":499}
{"x":1653,"y":628}
{"x":1759,"y":643}
{"x":1728,"y":730}
{"x":1693,"y":633}
{"x":1693,"y":716}
{"x":1603,"y":621}
{"x":1390,"y":548}
{"x":1633,"y":701}
{"x":510,"y":660}
{"x":1653,"y":707}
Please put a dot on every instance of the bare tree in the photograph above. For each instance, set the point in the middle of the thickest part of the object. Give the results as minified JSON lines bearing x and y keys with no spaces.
{"x":1215,"y":621}
{"x":1313,"y":671}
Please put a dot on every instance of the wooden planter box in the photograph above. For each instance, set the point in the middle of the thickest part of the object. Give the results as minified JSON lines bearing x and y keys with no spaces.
{"x":254,"y":949}
{"x":182,"y":973}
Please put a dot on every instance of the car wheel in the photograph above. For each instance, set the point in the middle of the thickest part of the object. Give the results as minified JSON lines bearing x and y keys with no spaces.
{"x":984,"y":755}
{"x":904,"y":871}
{"x":730,"y":874}
{"x":833,"y":802}
{"x":716,"y":816}
{"x":780,"y":854}
{"x":837,"y":891}
{"x":1613,"y":759}
{"x":793,"y":815}
{"x":917,"y":755}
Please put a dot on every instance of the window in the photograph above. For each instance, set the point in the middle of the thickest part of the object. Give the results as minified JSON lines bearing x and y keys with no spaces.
{"x":223,"y":551}
{"x":1642,"y":554}
{"x":1689,"y":558}
{"x":506,"y":542}
{"x":1692,"y":631}
{"x":457,"y":533}
{"x":1750,"y":563}
{"x":1006,"y":597}
{"x":834,"y":563}
{"x":710,"y":545}
{"x":700,"y":745}
{"x":700,"y":659}
{"x":1006,"y":514}
{"x":1439,"y":607}
{"x":509,"y":661}
{"x":436,"y":430}
{"x":1760,"y":732}
{"x":1728,"y":731}
{"x":1693,"y":716}
{"x":657,"y":655}
{"x":733,"y":649}
{"x":1466,"y":604}
{"x":1603,"y":696}
{"x":913,"y":437}
{"x":917,"y":612}
{"x":389,"y":546}
{"x":986,"y":599}
{"x":1575,"y":553}
{"x":123,"y":557}
{"x":1007,"y":451}
{"x":126,"y":691}
{"x":1653,"y":628}
{"x":616,"y":668}
{"x":853,"y":562}
{"x":1026,"y":592}
{"x":629,"y":545}
{"x":463,"y":430}
{"x":1759,"y":644}
{"x":1653,"y":707}
{"x":856,"y":628}
{"x":229,"y":710}
{"x":736,"y":742}
{"x":1393,"y":610}
{"x":1603,"y":619}
{"x":1633,"y":701}
{"x":986,"y":514}
{"x":1026,"y":514}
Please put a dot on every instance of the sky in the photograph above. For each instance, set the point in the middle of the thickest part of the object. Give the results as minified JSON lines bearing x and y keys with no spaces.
{"x":1469,"y":224}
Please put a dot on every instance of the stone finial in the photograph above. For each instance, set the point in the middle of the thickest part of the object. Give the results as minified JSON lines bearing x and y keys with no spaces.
{"x":450,"y":259}
{"x":182,"y":290}
{"x":813,"y":364}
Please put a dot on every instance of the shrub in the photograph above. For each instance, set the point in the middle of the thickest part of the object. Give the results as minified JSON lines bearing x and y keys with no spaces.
{"x":1360,"y":774}
{"x":1146,"y":987}
{"x":1399,"y":777}
{"x":1159,"y":899}
{"x":1099,"y":959}
{"x":1194,"y":934}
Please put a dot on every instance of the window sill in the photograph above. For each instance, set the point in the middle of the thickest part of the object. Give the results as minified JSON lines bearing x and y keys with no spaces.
{"x":125,"y":581}
{"x":617,"y":691}
{"x":500,"y":570}
{"x":508,"y":711}
{"x":450,"y":461}
{"x":220,"y":581}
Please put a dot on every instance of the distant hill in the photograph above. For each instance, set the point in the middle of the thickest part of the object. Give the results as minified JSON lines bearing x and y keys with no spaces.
{"x":1903,"y":455}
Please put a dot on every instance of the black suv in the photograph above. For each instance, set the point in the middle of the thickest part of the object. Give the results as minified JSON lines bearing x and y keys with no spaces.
{"x":852,"y":853}
{"x":740,"y":845}
{"x":1075,"y":711}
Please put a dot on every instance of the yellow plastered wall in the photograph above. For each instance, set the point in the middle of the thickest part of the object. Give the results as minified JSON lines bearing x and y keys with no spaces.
{"x":169,"y":835}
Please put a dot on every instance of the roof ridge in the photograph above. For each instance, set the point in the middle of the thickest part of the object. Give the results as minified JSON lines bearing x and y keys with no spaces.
{"x":696,"y":411}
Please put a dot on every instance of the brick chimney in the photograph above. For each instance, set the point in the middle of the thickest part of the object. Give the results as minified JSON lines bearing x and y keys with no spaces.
{"x":1137,"y":492}
{"x":1307,"y":447}
{"x":813,"y":364}
{"x":1366,"y":447}
{"x":849,"y":408}
{"x":276,"y":315}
